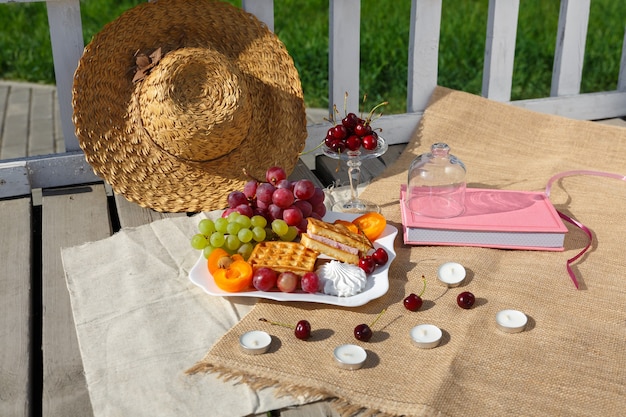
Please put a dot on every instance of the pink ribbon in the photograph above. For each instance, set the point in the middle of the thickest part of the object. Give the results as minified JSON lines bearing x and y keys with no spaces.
{"x":574,"y":221}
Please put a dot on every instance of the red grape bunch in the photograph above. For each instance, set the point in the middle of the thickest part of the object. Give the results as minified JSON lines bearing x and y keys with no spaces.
{"x":278,"y":198}
{"x":352,"y":133}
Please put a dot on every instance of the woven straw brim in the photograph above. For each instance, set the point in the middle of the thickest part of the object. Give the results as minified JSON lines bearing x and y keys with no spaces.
{"x":113,"y":122}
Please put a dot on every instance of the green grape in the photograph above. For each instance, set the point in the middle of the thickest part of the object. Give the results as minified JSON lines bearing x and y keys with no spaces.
{"x":217,"y":239}
{"x":245,"y":235}
{"x":221,"y":224}
{"x":291,"y":234}
{"x":233,"y":228}
{"x":206,"y":227}
{"x":207,"y":251}
{"x":258,"y":234}
{"x":244,"y":221}
{"x":232,"y":242}
{"x":280,"y":227}
{"x":232,"y":217}
{"x":245,"y":250}
{"x":198,"y":241}
{"x":258,"y":221}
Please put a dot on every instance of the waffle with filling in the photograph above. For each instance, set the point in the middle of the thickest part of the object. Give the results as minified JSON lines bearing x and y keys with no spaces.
{"x":283,"y":256}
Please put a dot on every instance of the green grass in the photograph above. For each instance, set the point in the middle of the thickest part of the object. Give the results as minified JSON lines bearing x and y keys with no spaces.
{"x":303,"y":27}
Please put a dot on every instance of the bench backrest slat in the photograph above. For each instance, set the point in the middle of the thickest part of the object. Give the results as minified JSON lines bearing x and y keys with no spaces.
{"x":570,"y":47}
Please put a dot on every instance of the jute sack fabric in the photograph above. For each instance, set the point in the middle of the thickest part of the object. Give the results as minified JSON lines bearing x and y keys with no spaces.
{"x":571,"y":360}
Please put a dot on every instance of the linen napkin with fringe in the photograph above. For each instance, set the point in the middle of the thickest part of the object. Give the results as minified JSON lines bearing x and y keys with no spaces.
{"x":140,"y":323}
{"x":571,"y":358}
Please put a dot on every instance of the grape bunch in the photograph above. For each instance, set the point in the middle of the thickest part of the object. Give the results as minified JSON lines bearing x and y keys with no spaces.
{"x":352,"y":133}
{"x":278,"y":198}
{"x":275,"y":209}
{"x":239,"y":233}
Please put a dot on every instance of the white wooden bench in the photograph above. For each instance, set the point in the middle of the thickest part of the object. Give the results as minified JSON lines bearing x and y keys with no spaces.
{"x":56,"y":201}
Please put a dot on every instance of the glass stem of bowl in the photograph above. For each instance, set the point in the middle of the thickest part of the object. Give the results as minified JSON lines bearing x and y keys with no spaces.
{"x":354,"y":173}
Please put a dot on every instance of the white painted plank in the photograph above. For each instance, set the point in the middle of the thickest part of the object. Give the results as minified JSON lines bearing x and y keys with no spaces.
{"x":570,"y":47}
{"x":14,"y":179}
{"x":621,"y":79}
{"x":344,"y":53}
{"x":4,"y":94}
{"x":262,"y":9}
{"x":66,"y":35}
{"x":500,"y":49}
{"x":69,"y":217}
{"x":589,"y":106}
{"x":425,"y":26}
{"x":15,"y":310}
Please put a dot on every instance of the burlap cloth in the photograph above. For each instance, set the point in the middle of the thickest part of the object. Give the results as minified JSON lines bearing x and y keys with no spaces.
{"x":571,"y":360}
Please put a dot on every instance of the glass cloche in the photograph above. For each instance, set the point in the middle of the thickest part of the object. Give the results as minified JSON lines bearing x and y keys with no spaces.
{"x":436,"y":184}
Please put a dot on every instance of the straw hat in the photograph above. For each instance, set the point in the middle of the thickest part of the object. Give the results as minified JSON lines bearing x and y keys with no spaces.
{"x":175,"y":98}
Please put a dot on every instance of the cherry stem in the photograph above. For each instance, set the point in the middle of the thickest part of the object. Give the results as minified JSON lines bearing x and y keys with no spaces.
{"x":314,"y":149}
{"x":377,"y":317}
{"x":276,"y":323}
{"x":424,"y":288}
{"x":384,"y":103}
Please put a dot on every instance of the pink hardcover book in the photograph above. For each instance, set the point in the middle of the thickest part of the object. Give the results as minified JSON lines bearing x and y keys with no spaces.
{"x":492,"y":218}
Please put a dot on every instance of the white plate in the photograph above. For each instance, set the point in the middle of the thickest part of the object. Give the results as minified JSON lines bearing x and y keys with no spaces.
{"x":377,"y":282}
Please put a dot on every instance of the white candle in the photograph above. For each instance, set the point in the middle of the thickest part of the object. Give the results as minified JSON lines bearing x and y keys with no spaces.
{"x":255,"y":342}
{"x":350,"y":356}
{"x":451,"y":274}
{"x":426,"y":336}
{"x":511,"y":321}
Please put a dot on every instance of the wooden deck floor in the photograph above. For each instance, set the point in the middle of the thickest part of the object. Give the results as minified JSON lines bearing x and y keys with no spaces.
{"x":41,"y":371}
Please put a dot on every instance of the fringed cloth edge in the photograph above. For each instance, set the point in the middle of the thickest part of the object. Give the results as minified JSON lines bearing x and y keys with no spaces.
{"x":343,"y":407}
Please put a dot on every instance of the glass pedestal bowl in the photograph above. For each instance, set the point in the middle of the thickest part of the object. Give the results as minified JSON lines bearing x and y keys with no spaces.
{"x":354,"y":160}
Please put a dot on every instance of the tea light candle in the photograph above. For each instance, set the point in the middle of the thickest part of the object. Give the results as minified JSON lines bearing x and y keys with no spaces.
{"x":511,"y":321}
{"x":350,"y":356}
{"x":255,"y":342}
{"x":426,"y":336}
{"x":451,"y":274}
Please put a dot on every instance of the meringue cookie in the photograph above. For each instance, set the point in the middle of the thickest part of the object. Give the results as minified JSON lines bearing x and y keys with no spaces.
{"x":341,"y":279}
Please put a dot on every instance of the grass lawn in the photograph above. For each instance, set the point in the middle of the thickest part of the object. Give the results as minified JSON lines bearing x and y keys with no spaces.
{"x":303,"y":27}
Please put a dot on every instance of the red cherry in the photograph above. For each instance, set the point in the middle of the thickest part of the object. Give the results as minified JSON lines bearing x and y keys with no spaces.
{"x":465,"y":300}
{"x":363,"y":332}
{"x":303,"y":330}
{"x":413,"y":302}
{"x":367,"y":264}
{"x":353,"y":142}
{"x":380,"y":256}
{"x":338,"y":146}
{"x":340,"y":132}
{"x":350,"y":121}
{"x":362,"y":129}
{"x":370,"y":142}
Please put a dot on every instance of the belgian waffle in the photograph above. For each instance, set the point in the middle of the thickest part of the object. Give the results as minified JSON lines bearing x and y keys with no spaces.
{"x":283,"y":256}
